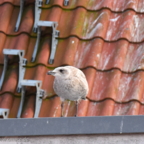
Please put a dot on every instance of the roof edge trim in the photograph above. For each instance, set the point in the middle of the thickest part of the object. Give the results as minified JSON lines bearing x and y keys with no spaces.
{"x":72,"y":126}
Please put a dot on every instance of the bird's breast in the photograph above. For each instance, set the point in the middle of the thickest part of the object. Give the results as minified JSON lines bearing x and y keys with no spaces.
{"x":68,"y":89}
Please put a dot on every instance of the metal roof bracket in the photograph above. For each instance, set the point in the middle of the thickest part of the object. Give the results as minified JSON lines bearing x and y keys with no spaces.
{"x":55,"y":34}
{"x":66,"y":2}
{"x":4,"y":112}
{"x":22,"y":62}
{"x":39,"y":94}
{"x":20,"y":15}
{"x":38,"y":3}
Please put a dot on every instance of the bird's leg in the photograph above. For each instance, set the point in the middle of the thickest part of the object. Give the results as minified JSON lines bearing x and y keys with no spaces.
{"x":77,"y":102}
{"x":62,"y":100}
{"x":67,"y":109}
{"x":61,"y":108}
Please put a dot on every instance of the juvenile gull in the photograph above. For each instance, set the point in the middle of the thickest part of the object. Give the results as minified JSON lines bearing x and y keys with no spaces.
{"x":70,"y":83}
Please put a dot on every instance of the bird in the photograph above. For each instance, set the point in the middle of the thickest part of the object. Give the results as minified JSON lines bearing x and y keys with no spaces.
{"x":69,"y":84}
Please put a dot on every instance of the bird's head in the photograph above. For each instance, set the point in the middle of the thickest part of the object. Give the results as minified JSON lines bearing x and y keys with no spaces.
{"x":60,"y":72}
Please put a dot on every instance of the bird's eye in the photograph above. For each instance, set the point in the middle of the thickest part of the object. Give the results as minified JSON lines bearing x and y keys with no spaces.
{"x":61,"y":70}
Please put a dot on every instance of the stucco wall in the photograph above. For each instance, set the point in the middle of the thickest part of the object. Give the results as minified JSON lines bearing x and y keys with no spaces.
{"x":88,"y":139}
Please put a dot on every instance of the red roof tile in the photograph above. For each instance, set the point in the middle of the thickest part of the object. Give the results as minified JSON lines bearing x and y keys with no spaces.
{"x":71,"y":51}
{"x":116,"y":6}
{"x":103,"y":38}
{"x":79,"y":22}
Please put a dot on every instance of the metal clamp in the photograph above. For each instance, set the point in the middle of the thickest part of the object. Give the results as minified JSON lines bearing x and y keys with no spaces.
{"x":4,"y":112}
{"x":54,"y":42}
{"x":20,"y":15}
{"x":66,"y":2}
{"x":38,"y":3}
{"x":39,"y":94}
{"x":22,"y":62}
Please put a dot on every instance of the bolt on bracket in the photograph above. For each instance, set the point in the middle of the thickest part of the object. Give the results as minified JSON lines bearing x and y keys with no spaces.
{"x":55,"y":34}
{"x":22,"y":62}
{"x":38,"y":4}
{"x":4,"y":112}
{"x":20,"y":15}
{"x":47,"y":1}
{"x":39,"y":95}
{"x":66,"y":2}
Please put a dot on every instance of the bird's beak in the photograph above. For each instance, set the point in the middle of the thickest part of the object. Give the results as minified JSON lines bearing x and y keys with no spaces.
{"x":51,"y":73}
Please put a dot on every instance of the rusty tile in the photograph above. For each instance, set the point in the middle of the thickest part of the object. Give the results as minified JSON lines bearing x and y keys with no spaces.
{"x":51,"y":108}
{"x":115,"y":85}
{"x":90,"y":74}
{"x":131,"y":108}
{"x":6,"y":101}
{"x":117,"y":5}
{"x":96,"y":41}
{"x":53,"y":14}
{"x":87,"y":25}
{"x":123,"y":55}
{"x":131,"y":87}
{"x":105,"y":85}
{"x":102,"y":55}
{"x":104,"y":108}
{"x":6,"y":11}
{"x":141,"y":110}
{"x":123,"y":5}
{"x":9,"y":1}
{"x":11,"y":80}
{"x":113,"y":55}
{"x":83,"y":108}
{"x":16,"y":2}
{"x":27,"y":21}
{"x":70,"y":22}
{"x":134,"y":57}
{"x":109,"y":108}
{"x":14,"y":108}
{"x":20,"y":42}
{"x":81,"y":23}
{"x":2,"y":42}
{"x":110,"y":84}
{"x":69,"y":109}
{"x":29,"y":107}
{"x":44,"y":52}
{"x":40,"y":73}
{"x":88,"y":53}
{"x":140,"y":6}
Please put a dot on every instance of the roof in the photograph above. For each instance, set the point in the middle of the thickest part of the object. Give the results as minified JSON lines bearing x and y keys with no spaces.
{"x":102,"y":38}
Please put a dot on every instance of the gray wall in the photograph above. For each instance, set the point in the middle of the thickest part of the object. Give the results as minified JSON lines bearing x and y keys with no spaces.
{"x":85,"y":139}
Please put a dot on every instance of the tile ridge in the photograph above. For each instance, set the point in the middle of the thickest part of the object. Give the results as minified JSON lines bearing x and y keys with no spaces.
{"x":118,"y":102}
{"x":92,"y":10}
{"x":15,"y":5}
{"x":34,"y":65}
{"x":33,"y":35}
{"x":82,"y":39}
{"x":74,"y":8}
{"x":102,"y":100}
{"x":17,"y":95}
{"x":89,"y":67}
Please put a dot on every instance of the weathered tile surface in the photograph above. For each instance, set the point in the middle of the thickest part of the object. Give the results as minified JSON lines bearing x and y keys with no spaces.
{"x":104,"y":38}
